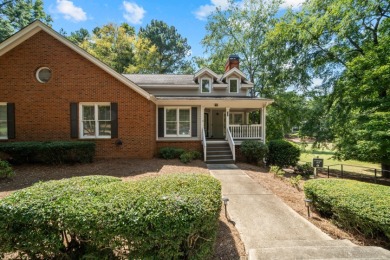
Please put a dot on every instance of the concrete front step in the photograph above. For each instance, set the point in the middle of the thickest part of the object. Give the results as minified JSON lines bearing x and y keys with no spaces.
{"x":220,"y":161}
{"x":318,"y":252}
{"x":218,"y":152}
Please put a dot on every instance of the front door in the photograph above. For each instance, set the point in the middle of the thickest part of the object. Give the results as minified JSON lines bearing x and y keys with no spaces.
{"x":206,"y":124}
{"x":217,"y":124}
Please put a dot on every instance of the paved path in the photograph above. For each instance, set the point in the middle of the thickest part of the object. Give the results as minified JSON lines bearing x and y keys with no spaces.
{"x":270,"y":229}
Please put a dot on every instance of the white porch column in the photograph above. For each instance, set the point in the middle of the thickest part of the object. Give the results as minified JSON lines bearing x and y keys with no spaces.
{"x":202,"y":121}
{"x":263,"y":125}
{"x":227,"y":121}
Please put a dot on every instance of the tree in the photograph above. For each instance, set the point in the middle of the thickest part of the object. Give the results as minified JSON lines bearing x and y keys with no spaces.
{"x":345,"y":43}
{"x":79,"y":36}
{"x":145,"y":55}
{"x":17,"y":14}
{"x":172,"y":48}
{"x":111,"y":44}
{"x":241,"y":29}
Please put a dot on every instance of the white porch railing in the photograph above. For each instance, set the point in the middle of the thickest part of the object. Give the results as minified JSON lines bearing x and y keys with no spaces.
{"x":231,"y":143}
{"x":245,"y":131}
{"x":204,"y":142}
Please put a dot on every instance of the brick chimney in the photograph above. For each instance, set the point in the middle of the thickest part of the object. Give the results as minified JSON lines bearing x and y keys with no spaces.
{"x":232,"y":62}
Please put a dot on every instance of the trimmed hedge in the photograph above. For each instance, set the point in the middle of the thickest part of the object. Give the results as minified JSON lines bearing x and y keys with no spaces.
{"x":253,"y":150}
{"x":169,"y":217}
{"x":171,"y":152}
{"x":55,"y":152}
{"x":6,"y":170}
{"x":282,"y":153}
{"x":353,"y":205}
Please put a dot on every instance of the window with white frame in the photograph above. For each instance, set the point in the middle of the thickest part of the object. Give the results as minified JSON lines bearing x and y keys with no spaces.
{"x":95,"y":120}
{"x":206,"y":85}
{"x":3,"y":121}
{"x":233,"y":85}
{"x":177,"y":122}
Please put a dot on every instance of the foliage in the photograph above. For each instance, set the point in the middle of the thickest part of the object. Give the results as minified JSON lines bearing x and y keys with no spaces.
{"x":187,"y":157}
{"x":79,"y":36}
{"x":172,"y":48}
{"x":253,"y":150}
{"x":353,"y":205}
{"x":171,"y":152}
{"x":345,"y":44}
{"x":304,"y":169}
{"x":6,"y":170}
{"x":295,"y":181}
{"x":55,"y":152}
{"x":282,"y":153}
{"x":16,"y":14}
{"x":145,"y":56}
{"x":169,"y":217}
{"x":240,"y":28}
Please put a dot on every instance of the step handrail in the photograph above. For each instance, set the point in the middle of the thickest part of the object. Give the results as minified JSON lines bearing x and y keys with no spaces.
{"x":204,"y":142}
{"x":231,"y":143}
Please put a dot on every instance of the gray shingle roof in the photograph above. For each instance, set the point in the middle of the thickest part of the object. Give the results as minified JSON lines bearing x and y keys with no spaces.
{"x":161,"y":79}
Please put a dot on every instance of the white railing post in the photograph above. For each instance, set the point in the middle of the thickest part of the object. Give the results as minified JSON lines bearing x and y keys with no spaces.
{"x":246,"y":131}
{"x":204,"y":142}
{"x":231,"y":143}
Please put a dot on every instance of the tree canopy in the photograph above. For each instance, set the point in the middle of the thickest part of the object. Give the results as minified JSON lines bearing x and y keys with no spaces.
{"x":172,"y":48}
{"x":16,"y":14}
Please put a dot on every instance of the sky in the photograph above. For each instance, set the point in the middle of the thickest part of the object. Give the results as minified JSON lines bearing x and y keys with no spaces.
{"x":188,"y":17}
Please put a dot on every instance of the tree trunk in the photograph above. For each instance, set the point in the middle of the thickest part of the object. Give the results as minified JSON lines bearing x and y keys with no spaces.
{"x":385,"y":169}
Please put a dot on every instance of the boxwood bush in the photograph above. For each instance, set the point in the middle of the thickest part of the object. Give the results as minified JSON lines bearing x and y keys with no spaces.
{"x":253,"y":150}
{"x":171,"y":152}
{"x":353,"y":205}
{"x":282,"y":153}
{"x":170,"y":217}
{"x":55,"y":152}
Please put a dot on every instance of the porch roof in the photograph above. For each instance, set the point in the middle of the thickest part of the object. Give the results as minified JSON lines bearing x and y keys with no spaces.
{"x":215,"y":101}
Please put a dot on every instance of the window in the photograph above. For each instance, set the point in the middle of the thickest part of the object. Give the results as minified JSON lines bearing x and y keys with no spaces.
{"x":3,"y":121}
{"x":95,"y":120}
{"x":177,"y":122}
{"x":233,"y":85}
{"x":43,"y":74}
{"x":206,"y":85}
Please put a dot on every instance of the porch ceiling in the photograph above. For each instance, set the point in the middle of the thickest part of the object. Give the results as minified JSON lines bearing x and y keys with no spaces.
{"x":215,"y":102}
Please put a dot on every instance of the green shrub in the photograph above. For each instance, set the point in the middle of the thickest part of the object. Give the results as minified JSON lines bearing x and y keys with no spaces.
{"x":169,"y":217}
{"x":295,"y":181}
{"x":282,"y":153}
{"x":353,"y":205}
{"x":253,"y":150}
{"x":187,"y":157}
{"x":304,"y":169}
{"x":55,"y":152}
{"x":6,"y":170}
{"x":171,"y":152}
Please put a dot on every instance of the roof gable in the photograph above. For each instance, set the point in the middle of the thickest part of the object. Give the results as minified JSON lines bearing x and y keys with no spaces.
{"x":38,"y":26}
{"x":232,"y":72}
{"x":205,"y":71}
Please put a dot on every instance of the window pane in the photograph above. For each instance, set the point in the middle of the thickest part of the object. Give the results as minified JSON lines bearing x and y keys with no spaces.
{"x":184,"y":115}
{"x":3,"y":112}
{"x":238,"y":118}
{"x":184,"y":128}
{"x":205,"y":85}
{"x":3,"y":129}
{"x":233,"y":85}
{"x":171,"y":115}
{"x":104,"y":112}
{"x":88,"y":113}
{"x":89,"y":128}
{"x":104,"y":128}
{"x":171,"y":128}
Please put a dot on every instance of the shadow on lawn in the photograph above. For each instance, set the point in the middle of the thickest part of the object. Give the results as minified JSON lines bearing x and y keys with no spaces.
{"x":28,"y":174}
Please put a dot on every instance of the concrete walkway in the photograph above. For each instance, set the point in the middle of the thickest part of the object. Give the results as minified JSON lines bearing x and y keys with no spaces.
{"x":270,"y":229}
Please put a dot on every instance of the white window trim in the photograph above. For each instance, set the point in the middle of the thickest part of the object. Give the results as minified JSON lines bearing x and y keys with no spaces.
{"x":81,"y":104}
{"x":37,"y":74}
{"x":238,"y":85}
{"x":211,"y":84}
{"x":177,"y":122}
{"x":6,"y":121}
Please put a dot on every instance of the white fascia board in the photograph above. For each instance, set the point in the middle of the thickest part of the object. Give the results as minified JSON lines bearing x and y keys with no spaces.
{"x":205,"y":70}
{"x":232,"y":71}
{"x":38,"y":26}
{"x":210,"y":103}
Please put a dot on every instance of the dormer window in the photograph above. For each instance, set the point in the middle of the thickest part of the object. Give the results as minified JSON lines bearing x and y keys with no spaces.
{"x":206,"y":85}
{"x":233,"y":85}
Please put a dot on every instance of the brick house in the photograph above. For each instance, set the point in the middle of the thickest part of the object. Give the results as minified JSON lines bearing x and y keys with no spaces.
{"x":50,"y":89}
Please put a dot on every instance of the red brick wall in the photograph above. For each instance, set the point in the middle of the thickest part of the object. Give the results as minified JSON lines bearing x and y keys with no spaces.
{"x":42,"y":111}
{"x":187,"y":145}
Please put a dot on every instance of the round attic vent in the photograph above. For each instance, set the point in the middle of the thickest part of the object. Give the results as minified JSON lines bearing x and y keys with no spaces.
{"x":43,"y":74}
